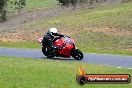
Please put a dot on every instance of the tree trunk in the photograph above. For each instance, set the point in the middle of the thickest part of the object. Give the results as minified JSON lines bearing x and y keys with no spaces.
{"x":3,"y":9}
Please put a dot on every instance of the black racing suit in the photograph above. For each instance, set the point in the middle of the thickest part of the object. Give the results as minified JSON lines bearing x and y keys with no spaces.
{"x":48,"y":40}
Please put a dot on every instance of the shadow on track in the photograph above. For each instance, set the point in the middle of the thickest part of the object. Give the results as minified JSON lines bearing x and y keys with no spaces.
{"x":59,"y":59}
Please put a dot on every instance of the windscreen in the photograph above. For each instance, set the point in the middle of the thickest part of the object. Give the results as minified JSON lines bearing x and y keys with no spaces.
{"x":67,"y":40}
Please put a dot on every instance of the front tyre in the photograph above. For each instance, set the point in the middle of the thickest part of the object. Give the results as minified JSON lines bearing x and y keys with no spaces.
{"x":76,"y":54}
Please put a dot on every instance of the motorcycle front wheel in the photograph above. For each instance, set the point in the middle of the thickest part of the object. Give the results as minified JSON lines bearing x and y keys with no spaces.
{"x":76,"y":54}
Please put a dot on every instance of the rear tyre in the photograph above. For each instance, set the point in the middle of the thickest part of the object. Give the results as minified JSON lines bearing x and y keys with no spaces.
{"x":76,"y":54}
{"x":44,"y":49}
{"x":48,"y":52}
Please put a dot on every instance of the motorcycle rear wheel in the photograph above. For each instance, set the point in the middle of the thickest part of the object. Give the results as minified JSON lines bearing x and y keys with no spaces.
{"x":48,"y":52}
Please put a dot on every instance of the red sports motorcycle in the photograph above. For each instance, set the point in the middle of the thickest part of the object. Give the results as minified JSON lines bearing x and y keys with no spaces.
{"x":67,"y":49}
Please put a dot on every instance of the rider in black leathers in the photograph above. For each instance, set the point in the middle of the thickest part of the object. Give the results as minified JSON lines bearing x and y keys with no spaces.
{"x":50,"y":37}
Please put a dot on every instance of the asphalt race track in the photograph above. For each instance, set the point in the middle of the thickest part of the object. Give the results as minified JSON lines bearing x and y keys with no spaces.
{"x":101,"y":59}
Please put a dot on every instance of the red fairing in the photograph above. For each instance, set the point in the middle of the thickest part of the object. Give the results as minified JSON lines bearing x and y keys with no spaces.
{"x":65,"y":47}
{"x":59,"y":42}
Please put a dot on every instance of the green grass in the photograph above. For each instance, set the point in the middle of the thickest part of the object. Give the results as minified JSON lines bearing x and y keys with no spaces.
{"x":36,"y":4}
{"x":42,"y":73}
{"x":97,"y":42}
{"x":25,"y":44}
{"x":116,"y":16}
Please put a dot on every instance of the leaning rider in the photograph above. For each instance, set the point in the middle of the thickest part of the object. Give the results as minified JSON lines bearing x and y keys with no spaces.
{"x":50,"y":37}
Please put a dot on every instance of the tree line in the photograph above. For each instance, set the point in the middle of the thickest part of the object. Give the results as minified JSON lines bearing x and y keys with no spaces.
{"x":89,"y":2}
{"x":75,"y":2}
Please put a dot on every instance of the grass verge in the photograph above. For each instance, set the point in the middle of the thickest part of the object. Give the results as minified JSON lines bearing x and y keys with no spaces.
{"x":38,"y":73}
{"x":25,"y":44}
{"x":35,"y":4}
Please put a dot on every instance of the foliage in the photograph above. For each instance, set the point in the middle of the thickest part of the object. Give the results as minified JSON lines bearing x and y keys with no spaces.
{"x":89,"y":2}
{"x":68,"y":2}
{"x":18,"y":4}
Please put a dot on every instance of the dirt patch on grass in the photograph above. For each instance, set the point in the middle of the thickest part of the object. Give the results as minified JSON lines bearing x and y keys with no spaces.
{"x":130,"y":49}
{"x":24,"y":35}
{"x":20,"y":36}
